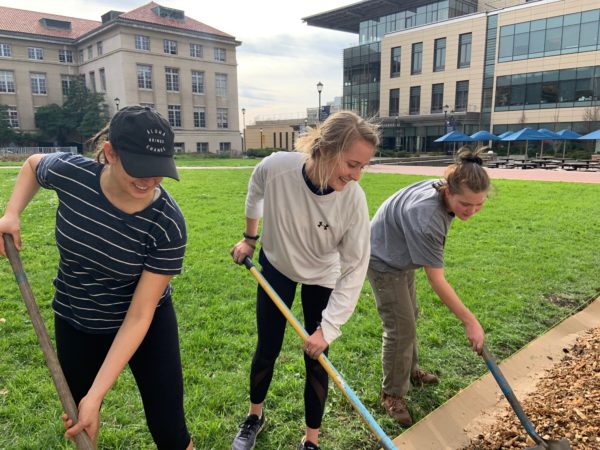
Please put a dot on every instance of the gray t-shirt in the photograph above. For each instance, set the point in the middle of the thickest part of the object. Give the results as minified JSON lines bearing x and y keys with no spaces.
{"x":409,"y":229}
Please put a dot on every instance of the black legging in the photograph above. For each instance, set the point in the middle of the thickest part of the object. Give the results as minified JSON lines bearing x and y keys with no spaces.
{"x":271,"y":328}
{"x":156,"y":366}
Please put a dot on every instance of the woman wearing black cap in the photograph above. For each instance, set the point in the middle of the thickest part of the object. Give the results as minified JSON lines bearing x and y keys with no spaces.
{"x":121,"y":238}
{"x":409,"y":231}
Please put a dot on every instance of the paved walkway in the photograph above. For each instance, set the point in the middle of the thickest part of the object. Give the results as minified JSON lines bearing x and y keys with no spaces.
{"x":572,"y":176}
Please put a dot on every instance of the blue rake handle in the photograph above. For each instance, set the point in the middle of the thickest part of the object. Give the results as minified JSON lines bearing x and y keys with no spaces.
{"x":382,"y":438}
{"x":511,"y":397}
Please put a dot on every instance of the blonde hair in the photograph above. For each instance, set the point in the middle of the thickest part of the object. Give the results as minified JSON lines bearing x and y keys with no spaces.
{"x":467,"y":172}
{"x":325,"y":144}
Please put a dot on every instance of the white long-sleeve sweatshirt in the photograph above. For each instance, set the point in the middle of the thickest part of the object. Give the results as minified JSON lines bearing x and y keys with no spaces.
{"x":310,"y":238}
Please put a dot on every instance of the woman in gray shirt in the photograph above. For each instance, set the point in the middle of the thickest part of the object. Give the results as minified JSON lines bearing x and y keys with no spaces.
{"x":408,"y":232}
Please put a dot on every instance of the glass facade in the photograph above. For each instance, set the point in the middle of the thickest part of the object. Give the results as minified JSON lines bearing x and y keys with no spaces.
{"x":373,"y":30}
{"x":362,"y":67}
{"x":571,"y":33}
{"x":565,"y":88}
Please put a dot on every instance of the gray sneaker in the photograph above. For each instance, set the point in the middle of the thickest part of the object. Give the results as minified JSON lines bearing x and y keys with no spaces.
{"x":245,"y":439}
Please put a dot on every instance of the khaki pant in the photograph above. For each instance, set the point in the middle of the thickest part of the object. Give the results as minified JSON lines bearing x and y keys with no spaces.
{"x":396,"y":299}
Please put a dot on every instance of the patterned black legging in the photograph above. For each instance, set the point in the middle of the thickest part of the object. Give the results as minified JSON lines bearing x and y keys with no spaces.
{"x":271,"y":328}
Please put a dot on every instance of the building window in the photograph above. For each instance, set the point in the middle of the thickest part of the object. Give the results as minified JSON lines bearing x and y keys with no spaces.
{"x":464,"y":50}
{"x":170,"y":47}
{"x":99,"y":49}
{"x":439,"y":55}
{"x":462,"y":95}
{"x":416,"y":63}
{"x":414,"y":107}
{"x":144,"y":76}
{"x":199,"y":117}
{"x":65,"y":82}
{"x":80,"y":55}
{"x":92,"y":81}
{"x":202,"y":147}
{"x":220,"y":54}
{"x":196,"y":51}
{"x":172,"y":79}
{"x":38,"y":83}
{"x":222,"y":120}
{"x":174,"y":115}
{"x":142,"y":42}
{"x":35,"y":53}
{"x":5,"y":50}
{"x":7,"y":81}
{"x":570,"y":33}
{"x":179,"y":147}
{"x":221,"y":84}
{"x":65,"y":56}
{"x":395,"y":62}
{"x":13,"y":117}
{"x":224,"y":147}
{"x":394,"y":102}
{"x":197,"y":82}
{"x":102,"y":74}
{"x":437,"y":98}
{"x":90,"y":52}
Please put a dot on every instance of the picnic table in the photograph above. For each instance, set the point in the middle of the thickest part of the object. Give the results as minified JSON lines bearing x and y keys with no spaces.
{"x":579,"y":164}
{"x":525,"y":165}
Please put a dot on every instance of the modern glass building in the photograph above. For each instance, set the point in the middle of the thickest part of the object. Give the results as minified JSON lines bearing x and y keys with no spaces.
{"x":426,"y":68}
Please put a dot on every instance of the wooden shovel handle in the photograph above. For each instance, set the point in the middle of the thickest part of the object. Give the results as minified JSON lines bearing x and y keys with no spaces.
{"x":82,"y":440}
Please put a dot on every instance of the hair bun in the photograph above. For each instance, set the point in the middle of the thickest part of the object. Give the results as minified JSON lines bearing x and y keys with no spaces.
{"x":472,"y":159}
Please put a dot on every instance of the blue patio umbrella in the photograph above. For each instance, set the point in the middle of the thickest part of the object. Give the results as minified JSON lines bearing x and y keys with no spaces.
{"x":484,"y":136}
{"x":592,"y":135}
{"x":549,"y":135}
{"x":567,"y":135}
{"x":525,"y":134}
{"x":502,"y":136}
{"x":455,"y":136}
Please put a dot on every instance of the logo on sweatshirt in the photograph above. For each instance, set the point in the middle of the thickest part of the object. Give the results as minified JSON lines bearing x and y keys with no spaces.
{"x":324,"y":225}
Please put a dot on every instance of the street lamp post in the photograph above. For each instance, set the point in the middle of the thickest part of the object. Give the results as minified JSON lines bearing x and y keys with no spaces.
{"x":261,"y":138}
{"x":244,"y":131}
{"x":117,"y":101}
{"x":319,"y":89}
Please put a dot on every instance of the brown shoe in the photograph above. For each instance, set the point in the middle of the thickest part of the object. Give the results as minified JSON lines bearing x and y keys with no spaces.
{"x":420,"y":378}
{"x":397,"y":409}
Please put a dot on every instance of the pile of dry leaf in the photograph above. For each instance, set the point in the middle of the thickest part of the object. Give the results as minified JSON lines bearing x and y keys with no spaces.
{"x":566,"y":403}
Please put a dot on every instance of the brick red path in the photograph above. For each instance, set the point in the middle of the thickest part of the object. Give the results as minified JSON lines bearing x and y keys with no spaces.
{"x":572,"y":176}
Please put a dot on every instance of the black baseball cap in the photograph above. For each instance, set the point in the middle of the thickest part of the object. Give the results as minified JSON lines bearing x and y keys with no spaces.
{"x":144,"y":142}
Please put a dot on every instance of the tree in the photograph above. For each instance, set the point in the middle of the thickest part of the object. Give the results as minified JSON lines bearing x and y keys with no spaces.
{"x":7,"y":134}
{"x":80,"y":117}
{"x":52,"y":123}
{"x":83,"y":112}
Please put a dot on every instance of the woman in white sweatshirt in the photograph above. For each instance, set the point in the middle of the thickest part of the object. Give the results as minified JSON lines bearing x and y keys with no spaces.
{"x":315,"y":233}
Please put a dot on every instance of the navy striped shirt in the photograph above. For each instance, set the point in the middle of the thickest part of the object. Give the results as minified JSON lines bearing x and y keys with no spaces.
{"x":104,"y":250}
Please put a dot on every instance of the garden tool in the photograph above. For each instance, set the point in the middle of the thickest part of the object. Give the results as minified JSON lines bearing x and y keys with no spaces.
{"x":382,"y":438}
{"x":542,"y":444}
{"x":82,"y":440}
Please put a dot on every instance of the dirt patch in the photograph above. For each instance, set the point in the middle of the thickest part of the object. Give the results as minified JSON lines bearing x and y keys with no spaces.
{"x":565,"y":403}
{"x":565,"y":300}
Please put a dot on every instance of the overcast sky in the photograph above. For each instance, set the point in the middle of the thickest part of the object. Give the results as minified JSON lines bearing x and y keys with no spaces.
{"x":281,"y":58}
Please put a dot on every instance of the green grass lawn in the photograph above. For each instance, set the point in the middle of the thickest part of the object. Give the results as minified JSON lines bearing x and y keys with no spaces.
{"x":529,"y":259}
{"x":188,"y":159}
